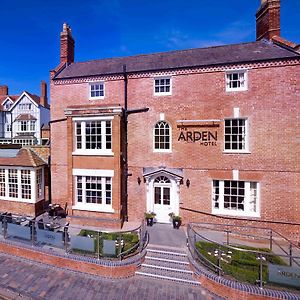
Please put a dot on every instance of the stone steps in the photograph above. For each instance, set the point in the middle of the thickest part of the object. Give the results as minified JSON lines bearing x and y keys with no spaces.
{"x":167,"y":264}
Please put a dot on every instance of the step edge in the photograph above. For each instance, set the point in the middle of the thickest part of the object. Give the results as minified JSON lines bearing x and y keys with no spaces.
{"x":167,"y":260}
{"x":168,"y":269}
{"x":168,"y":278}
{"x":166,"y":252}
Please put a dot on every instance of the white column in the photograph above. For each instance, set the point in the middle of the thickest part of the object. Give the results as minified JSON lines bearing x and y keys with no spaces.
{"x":33,"y":185}
{"x":6,"y":183}
{"x":43,"y":183}
{"x":19,"y":184}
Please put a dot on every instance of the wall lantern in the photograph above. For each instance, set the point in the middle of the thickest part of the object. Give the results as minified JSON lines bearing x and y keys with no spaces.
{"x":139,"y":180}
{"x":188,"y":183}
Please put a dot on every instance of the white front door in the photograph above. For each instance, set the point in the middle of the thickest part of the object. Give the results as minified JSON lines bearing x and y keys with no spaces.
{"x":163,"y":200}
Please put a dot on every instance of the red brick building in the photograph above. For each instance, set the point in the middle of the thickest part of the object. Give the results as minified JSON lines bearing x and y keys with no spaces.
{"x":218,"y":143}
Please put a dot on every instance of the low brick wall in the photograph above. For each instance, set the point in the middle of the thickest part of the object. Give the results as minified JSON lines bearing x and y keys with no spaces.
{"x":109,"y":269}
{"x":234,"y":290}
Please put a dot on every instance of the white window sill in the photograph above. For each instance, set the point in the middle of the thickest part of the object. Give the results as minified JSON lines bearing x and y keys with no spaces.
{"x":18,"y":200}
{"x":235,"y":213}
{"x":162,"y":151}
{"x":96,"y":98}
{"x":162,"y":94}
{"x":95,"y":208}
{"x":97,"y":152}
{"x":237,"y":90}
{"x":236,"y":152}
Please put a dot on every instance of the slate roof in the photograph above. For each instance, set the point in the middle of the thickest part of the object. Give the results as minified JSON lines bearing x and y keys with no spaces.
{"x":200,"y":57}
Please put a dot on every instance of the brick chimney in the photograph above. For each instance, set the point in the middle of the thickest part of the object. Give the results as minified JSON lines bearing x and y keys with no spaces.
{"x":44,"y":98}
{"x":268,"y":19}
{"x":3,"y":90}
{"x":66,"y":45}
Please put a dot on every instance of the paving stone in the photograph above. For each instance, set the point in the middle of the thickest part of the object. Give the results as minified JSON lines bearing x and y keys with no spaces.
{"x":37,"y":281}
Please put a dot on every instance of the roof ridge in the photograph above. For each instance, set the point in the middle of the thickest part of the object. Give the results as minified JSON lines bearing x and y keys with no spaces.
{"x":163,"y":52}
{"x":39,"y":156}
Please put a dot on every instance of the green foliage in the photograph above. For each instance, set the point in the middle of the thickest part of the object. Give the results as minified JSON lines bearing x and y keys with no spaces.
{"x":243,"y":266}
{"x":129,"y":240}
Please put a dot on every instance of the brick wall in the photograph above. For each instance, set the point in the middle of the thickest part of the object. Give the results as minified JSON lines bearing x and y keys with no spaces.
{"x":270,"y":104}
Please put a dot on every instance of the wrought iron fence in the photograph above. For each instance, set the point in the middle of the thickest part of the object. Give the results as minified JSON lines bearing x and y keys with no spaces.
{"x":64,"y":238}
{"x":254,"y":255}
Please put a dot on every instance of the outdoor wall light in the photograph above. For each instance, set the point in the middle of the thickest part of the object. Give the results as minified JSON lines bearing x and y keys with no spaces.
{"x":188,"y":183}
{"x":139,"y":180}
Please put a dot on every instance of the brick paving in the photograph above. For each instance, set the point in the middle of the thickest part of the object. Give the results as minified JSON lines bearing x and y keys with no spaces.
{"x":23,"y":279}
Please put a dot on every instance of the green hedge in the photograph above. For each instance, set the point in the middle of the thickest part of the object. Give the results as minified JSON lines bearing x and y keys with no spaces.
{"x":243,"y":266}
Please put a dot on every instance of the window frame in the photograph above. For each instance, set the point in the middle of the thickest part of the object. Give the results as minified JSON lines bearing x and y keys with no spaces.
{"x":106,"y":178}
{"x":227,"y":80}
{"x":170,"y":138}
{"x":83,"y":150}
{"x":90,"y":90}
{"x":246,"y":212}
{"x":247,"y":137}
{"x":162,"y":93}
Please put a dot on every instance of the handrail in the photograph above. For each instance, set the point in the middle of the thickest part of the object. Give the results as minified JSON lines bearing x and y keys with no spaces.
{"x":236,"y":248}
{"x":244,"y":226}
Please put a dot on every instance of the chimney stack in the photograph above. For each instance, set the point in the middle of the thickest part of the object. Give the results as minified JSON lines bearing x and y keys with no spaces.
{"x":44,"y":98}
{"x":3,"y":90}
{"x":66,"y":45}
{"x":268,"y":19}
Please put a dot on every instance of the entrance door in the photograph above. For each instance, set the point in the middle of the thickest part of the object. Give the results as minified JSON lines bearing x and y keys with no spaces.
{"x":162,"y":199}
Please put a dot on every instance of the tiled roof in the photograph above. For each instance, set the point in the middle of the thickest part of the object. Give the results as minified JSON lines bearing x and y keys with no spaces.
{"x":42,"y":152}
{"x":25,"y":158}
{"x":199,"y":57}
{"x":25,"y":117}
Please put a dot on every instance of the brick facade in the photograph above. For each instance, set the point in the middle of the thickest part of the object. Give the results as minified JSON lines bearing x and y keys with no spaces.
{"x":270,"y":104}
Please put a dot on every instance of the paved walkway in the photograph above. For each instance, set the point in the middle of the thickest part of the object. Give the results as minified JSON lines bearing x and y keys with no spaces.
{"x":166,"y":235}
{"x":37,"y":281}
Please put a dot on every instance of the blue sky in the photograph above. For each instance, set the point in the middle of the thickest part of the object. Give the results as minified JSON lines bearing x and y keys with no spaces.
{"x":108,"y":28}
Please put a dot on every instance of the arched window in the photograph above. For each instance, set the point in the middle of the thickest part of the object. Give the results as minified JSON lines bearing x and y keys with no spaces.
{"x":162,"y":179}
{"x":162,"y":136}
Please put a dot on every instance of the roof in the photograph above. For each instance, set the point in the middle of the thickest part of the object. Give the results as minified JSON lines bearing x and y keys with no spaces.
{"x":24,"y":157}
{"x":25,"y":117}
{"x":199,"y":57}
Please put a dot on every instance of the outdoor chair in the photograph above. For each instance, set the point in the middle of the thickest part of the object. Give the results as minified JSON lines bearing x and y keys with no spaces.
{"x":41,"y":224}
{"x":61,"y":212}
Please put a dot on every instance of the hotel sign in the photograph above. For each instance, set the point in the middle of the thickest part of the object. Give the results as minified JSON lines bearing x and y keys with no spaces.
{"x":205,"y":138}
{"x":284,"y":275}
{"x":203,"y":132}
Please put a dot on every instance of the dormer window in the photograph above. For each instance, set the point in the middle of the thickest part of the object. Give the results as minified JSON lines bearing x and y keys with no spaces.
{"x":236,"y":80}
{"x":96,"y":90}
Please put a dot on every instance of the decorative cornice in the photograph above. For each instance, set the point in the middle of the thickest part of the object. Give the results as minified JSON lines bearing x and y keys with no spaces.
{"x":182,"y":71}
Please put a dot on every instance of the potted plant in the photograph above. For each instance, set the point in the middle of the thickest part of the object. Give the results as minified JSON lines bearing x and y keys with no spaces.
{"x":176,"y":220}
{"x":149,"y":217}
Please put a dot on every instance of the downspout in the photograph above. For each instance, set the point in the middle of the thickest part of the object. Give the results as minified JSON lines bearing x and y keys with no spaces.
{"x":125,"y":148}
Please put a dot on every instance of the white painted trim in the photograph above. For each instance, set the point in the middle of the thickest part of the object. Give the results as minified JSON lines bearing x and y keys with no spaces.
{"x":22,"y":95}
{"x":93,"y":172}
{"x":95,"y":207}
{"x":162,"y":116}
{"x":231,"y":71}
{"x":236,"y":112}
{"x":92,"y":152}
{"x":153,"y":139}
{"x":164,"y":93}
{"x":98,"y":118}
{"x":99,"y":97}
{"x":235,"y":175}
